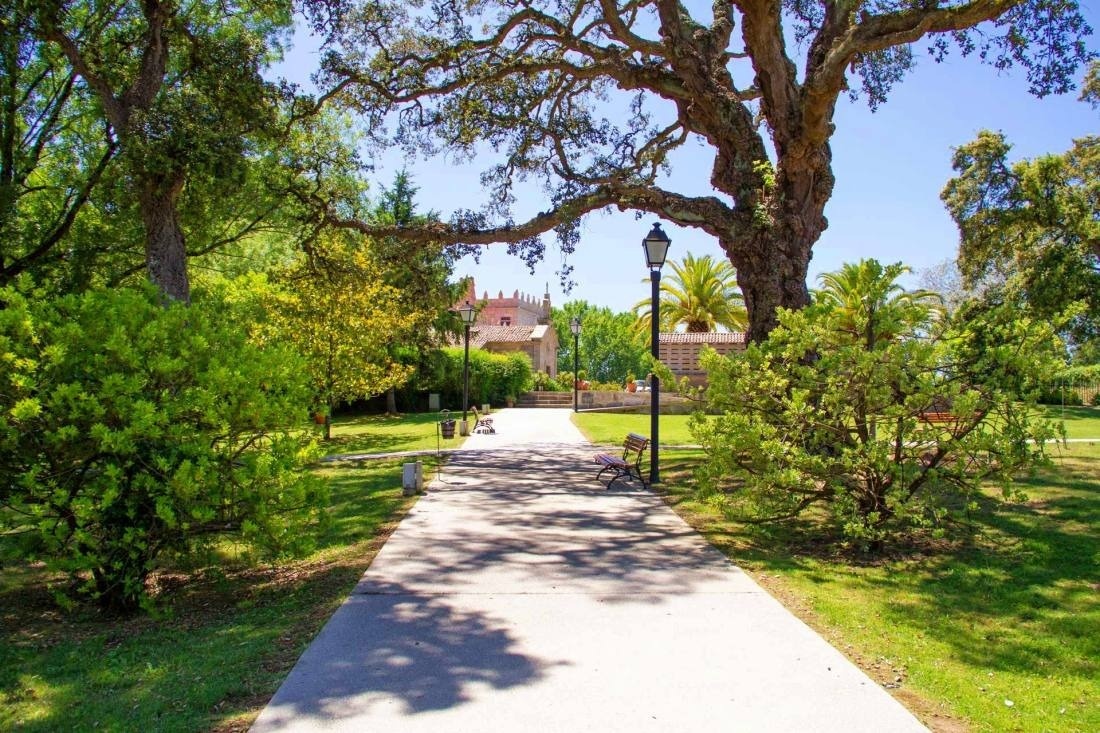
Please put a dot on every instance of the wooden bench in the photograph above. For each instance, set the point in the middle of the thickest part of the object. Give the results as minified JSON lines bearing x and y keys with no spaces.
{"x":629,"y":465}
{"x":946,"y":418}
{"x":938,"y":417}
{"x":483,"y":424}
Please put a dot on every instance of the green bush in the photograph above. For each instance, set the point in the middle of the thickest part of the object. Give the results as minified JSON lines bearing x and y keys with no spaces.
{"x":822,"y":414}
{"x":493,"y":377}
{"x":130,"y":428}
{"x":1059,"y":395}
{"x":546,"y":383}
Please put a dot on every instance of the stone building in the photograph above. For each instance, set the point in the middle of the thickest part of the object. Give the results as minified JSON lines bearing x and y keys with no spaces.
{"x":516,"y":323}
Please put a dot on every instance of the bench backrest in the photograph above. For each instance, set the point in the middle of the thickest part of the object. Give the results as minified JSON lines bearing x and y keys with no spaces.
{"x":634,"y":443}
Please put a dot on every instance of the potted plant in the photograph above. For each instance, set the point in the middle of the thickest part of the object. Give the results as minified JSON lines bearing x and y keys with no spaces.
{"x":631,"y":385}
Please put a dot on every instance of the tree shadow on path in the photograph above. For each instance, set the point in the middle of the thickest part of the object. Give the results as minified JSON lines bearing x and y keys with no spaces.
{"x":391,"y":646}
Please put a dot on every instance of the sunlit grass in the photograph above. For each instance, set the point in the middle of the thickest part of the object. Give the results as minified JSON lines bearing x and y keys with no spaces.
{"x":389,"y":434}
{"x":611,"y":428}
{"x":226,"y":636}
{"x":994,"y":628}
{"x":1080,"y":422}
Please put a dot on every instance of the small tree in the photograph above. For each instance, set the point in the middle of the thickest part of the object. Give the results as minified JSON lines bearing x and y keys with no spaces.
{"x":820,"y":414}
{"x":346,"y":322}
{"x":129,"y":429}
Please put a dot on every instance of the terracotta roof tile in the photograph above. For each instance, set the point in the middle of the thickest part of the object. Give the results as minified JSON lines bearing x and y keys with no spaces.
{"x":702,"y":338}
{"x":481,"y":335}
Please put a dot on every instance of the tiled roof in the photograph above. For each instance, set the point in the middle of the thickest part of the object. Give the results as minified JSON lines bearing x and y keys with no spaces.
{"x":702,"y":338}
{"x":481,"y":335}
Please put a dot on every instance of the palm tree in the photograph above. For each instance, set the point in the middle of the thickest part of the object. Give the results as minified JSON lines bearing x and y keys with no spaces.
{"x":701,"y":293}
{"x":871,"y":302}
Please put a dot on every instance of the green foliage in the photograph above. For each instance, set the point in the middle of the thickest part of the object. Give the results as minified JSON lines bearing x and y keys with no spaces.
{"x":537,"y":96}
{"x":822,"y":415}
{"x":233,"y":634}
{"x":129,"y":429}
{"x":1032,"y":225}
{"x":871,"y":304}
{"x":493,"y":377}
{"x":609,"y":348}
{"x":1058,"y":394}
{"x":345,"y":321}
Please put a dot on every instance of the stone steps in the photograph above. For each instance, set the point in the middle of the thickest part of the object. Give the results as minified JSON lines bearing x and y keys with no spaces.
{"x":545,"y":399}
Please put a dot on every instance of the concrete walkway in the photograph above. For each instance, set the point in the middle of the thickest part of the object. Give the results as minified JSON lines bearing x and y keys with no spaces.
{"x":520,"y":596}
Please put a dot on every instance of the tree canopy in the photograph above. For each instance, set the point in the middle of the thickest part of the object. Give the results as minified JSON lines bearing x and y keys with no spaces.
{"x":593,"y":99}
{"x":1034,"y":225}
{"x":609,"y":348}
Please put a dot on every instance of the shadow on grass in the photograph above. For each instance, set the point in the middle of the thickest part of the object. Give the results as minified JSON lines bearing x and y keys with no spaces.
{"x":224,"y":640}
{"x":1016,"y":591}
{"x":1021,"y":595}
{"x":382,"y":433}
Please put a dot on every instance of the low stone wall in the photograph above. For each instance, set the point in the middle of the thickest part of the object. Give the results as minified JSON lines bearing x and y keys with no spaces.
{"x":622,"y":401}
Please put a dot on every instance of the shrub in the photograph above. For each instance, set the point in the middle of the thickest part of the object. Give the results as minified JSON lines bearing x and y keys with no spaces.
{"x":493,"y":377}
{"x":821,"y":414}
{"x":129,"y":428}
{"x":1059,"y":395}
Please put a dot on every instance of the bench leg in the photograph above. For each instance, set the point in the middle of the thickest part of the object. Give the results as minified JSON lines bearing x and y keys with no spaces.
{"x":605,"y":469}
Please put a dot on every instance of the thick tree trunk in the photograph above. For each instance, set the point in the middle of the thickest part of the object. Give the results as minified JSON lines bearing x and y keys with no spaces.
{"x":773,"y":257}
{"x":391,"y":401}
{"x":772,"y":274}
{"x":165,"y":249}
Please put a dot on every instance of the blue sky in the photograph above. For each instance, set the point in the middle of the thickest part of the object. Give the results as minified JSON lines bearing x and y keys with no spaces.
{"x":890,"y":167}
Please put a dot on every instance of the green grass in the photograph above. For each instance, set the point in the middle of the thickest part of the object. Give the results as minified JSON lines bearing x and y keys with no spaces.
{"x":387,"y":434}
{"x":962,"y":628}
{"x":228,"y":637}
{"x":1080,"y":422}
{"x":611,"y":428}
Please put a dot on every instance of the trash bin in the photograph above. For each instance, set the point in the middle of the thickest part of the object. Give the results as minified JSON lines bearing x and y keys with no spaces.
{"x":447,"y":424}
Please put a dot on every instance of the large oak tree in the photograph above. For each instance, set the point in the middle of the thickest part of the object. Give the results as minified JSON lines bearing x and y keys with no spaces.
{"x":180,"y":91}
{"x":593,"y":96}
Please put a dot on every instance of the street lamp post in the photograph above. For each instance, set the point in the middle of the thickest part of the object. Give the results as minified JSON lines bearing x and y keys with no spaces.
{"x":467,"y":314}
{"x":656,"y":248}
{"x":575,"y":327}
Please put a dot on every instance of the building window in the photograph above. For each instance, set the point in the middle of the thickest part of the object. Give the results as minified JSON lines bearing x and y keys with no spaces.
{"x":506,"y":320}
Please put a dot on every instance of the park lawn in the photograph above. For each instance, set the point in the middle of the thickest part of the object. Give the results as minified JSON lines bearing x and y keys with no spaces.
{"x":388,"y":433}
{"x":994,"y":631}
{"x":1080,"y":422}
{"x":610,"y":428}
{"x":228,"y":634}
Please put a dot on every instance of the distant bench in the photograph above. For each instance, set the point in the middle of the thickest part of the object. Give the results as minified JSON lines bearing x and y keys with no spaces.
{"x":940,"y":418}
{"x":627,"y":466}
{"x":482,"y":424}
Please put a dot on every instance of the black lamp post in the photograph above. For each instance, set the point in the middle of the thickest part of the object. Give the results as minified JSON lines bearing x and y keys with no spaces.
{"x":575,"y":327}
{"x":467,"y":314}
{"x":656,"y":247}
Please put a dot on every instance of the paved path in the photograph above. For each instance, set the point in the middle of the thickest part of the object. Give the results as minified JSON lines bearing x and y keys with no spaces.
{"x":520,"y":596}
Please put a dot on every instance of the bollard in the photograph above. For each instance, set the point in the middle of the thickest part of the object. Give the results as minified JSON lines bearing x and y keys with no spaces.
{"x":412,"y":478}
